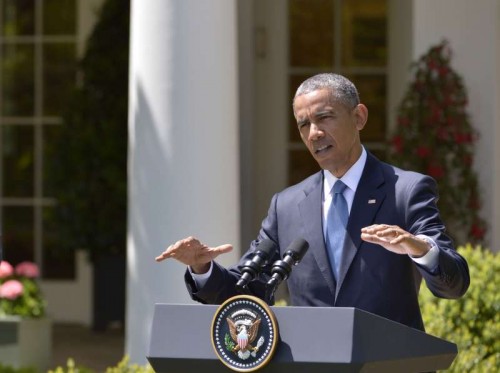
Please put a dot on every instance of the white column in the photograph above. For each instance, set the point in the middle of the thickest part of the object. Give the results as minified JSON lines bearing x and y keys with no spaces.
{"x":473,"y":30}
{"x":272,"y":104}
{"x":183,"y":147}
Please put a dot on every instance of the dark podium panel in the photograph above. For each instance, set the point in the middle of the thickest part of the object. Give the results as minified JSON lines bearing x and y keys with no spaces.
{"x":313,"y":339}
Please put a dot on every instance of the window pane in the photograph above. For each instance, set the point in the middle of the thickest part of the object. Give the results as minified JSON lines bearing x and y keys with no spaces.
{"x":364,"y":33}
{"x":301,"y":164}
{"x":18,"y":17}
{"x":49,"y":160}
{"x":59,"y":17}
{"x":372,"y":93}
{"x":18,"y":234}
{"x":58,"y":76}
{"x":58,"y":261}
{"x":17,"y":153}
{"x":311,"y":32}
{"x":18,"y":85}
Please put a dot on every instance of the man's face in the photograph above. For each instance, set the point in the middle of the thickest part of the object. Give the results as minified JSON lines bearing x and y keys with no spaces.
{"x":330,"y":129}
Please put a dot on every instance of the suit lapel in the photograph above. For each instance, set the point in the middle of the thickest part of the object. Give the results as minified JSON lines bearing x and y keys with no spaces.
{"x":310,"y":211}
{"x":368,"y":198}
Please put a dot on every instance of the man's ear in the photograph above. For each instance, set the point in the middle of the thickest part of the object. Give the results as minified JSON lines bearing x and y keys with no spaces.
{"x":361,"y":115}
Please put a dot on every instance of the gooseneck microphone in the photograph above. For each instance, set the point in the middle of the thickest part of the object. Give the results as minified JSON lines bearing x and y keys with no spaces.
{"x":282,"y":268}
{"x":251,"y":268}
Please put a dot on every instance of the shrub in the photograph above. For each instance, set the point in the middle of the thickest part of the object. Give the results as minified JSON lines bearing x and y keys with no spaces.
{"x":435,"y":136}
{"x":20,"y":294}
{"x":10,"y":369}
{"x":122,"y":367}
{"x":94,"y":137}
{"x":71,"y":367}
{"x":473,"y":321}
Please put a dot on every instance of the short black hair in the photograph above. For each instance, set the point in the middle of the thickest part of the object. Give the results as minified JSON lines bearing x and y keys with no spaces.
{"x":339,"y":86}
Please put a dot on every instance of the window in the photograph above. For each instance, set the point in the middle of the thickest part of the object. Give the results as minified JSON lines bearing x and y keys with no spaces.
{"x":38,"y":49}
{"x":346,"y":37}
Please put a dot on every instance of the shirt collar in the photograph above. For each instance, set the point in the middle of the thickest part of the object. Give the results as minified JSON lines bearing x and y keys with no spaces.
{"x":351,"y":177}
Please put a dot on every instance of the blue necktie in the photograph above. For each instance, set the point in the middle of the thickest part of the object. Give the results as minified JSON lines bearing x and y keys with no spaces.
{"x":336,"y":226}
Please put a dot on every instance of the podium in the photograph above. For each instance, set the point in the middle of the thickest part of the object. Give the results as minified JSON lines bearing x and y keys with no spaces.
{"x":312,"y":339}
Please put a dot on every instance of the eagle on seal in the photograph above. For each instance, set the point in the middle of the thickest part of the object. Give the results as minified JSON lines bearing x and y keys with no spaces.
{"x":243,"y":333}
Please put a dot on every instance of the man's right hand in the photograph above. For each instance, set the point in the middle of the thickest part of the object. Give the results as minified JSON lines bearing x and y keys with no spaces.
{"x":193,"y":253}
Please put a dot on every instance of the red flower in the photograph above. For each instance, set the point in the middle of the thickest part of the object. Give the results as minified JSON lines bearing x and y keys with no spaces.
{"x":435,"y":171}
{"x":443,"y":70}
{"x":423,"y":151}
{"x":463,"y":138}
{"x":477,"y":232}
{"x":397,"y":143}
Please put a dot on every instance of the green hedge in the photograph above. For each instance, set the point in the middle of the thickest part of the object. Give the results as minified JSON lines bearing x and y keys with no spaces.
{"x":71,"y":367}
{"x":10,"y":369}
{"x":122,"y":367}
{"x":473,"y":321}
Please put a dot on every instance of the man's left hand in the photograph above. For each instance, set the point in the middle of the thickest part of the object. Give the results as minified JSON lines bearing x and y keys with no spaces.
{"x":395,"y":239}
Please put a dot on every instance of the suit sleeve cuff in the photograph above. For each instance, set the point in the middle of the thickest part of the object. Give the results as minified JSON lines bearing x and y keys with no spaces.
{"x":430,"y":260}
{"x":200,"y":279}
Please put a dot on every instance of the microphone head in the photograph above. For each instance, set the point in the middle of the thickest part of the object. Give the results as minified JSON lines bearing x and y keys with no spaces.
{"x":298,"y":249}
{"x":266,"y":248}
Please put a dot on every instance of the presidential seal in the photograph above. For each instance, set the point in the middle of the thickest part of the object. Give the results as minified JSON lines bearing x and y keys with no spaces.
{"x":244,"y":333}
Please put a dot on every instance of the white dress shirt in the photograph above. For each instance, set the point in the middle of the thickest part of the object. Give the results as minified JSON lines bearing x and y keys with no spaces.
{"x":351,"y":179}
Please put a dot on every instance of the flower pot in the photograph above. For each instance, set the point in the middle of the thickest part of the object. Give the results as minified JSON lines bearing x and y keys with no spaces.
{"x":26,"y":342}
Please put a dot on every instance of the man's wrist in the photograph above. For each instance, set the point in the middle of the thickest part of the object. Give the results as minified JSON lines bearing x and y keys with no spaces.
{"x":424,"y":246}
{"x":431,"y":259}
{"x":201,"y":279}
{"x":200,"y":269}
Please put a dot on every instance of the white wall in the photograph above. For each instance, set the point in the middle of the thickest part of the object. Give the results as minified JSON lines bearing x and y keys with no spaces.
{"x":247,"y":123}
{"x":401,"y":42}
{"x":272,"y":104}
{"x":183,"y":147}
{"x":71,"y":301}
{"x":472,"y":29}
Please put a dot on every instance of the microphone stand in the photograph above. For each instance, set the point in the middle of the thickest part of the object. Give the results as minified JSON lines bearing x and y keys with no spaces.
{"x":282,"y":268}
{"x":270,"y":290}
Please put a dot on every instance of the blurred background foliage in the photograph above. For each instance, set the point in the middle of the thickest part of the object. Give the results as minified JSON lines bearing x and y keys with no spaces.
{"x":89,"y":172}
{"x":473,"y":321}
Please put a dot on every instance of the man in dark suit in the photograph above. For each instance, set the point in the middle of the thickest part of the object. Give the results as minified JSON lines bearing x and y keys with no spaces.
{"x":374,"y":230}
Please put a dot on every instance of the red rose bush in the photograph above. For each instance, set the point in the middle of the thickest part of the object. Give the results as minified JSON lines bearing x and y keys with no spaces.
{"x":434,"y":135}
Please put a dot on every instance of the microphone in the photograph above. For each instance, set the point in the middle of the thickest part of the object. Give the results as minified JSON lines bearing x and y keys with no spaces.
{"x":282,"y":268}
{"x":251,"y":268}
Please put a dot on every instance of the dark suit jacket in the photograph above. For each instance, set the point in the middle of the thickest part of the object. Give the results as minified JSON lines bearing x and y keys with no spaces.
{"x":371,"y":278}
